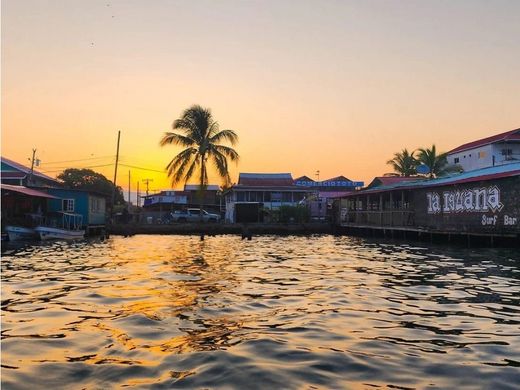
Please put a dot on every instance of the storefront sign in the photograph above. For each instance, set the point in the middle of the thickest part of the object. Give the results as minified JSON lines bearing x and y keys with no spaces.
{"x":477,"y":200}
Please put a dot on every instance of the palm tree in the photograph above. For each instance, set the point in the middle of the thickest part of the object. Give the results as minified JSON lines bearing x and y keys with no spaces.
{"x":437,"y":163}
{"x":201,"y":139}
{"x":404,"y":163}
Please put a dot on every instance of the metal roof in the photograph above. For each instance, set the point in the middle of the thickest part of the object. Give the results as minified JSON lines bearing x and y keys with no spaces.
{"x":512,"y":135}
{"x":24,"y":169}
{"x":265,"y":179}
{"x":496,"y":172}
{"x":27,"y":191}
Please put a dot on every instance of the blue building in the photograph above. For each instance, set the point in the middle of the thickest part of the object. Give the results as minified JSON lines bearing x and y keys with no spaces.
{"x":91,"y":206}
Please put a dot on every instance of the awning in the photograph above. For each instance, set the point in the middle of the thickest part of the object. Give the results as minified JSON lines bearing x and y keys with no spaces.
{"x":27,"y":191}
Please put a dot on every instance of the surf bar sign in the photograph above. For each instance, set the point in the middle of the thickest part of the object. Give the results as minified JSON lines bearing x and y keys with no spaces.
{"x":476,"y":200}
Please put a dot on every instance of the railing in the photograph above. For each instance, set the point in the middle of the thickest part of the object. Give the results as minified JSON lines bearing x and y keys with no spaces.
{"x":379,"y":218}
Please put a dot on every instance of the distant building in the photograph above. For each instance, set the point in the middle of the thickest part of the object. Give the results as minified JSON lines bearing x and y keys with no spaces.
{"x":325,"y":191}
{"x":487,"y":152}
{"x":17,"y":174}
{"x":380,"y":181}
{"x":168,"y":198}
{"x":255,"y":192}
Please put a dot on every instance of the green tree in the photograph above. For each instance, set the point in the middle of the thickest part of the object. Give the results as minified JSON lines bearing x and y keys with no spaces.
{"x":87,"y":179}
{"x":436,"y":162}
{"x":201,"y":139}
{"x":404,"y":163}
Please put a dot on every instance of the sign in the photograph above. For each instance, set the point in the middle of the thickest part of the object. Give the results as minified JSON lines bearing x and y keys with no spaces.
{"x":476,"y":200}
{"x":330,"y":183}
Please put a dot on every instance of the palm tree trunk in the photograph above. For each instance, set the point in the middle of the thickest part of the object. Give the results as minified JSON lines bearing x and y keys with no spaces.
{"x":202,"y":186}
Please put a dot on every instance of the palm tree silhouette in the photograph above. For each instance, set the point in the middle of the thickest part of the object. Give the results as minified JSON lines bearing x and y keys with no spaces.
{"x":437,"y":163}
{"x":404,"y":163}
{"x":201,"y":139}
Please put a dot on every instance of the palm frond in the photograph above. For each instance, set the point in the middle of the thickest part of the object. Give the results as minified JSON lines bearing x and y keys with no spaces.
{"x":176,"y":139}
{"x":225,"y":135}
{"x":227,"y":152}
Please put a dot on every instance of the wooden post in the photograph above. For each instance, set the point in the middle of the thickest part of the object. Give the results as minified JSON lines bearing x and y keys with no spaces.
{"x":380,"y":209}
{"x":115,"y":175}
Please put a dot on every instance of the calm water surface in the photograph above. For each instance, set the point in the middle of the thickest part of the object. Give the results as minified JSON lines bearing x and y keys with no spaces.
{"x":275,"y":312}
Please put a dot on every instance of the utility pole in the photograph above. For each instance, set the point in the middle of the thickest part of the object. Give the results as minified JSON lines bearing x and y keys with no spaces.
{"x":129,"y":189}
{"x":115,"y":175}
{"x":137,"y":200}
{"x":29,"y":180}
{"x":147,"y":182}
{"x":318,"y":194}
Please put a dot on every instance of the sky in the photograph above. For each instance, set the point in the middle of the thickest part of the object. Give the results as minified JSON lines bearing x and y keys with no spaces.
{"x":331,"y":86}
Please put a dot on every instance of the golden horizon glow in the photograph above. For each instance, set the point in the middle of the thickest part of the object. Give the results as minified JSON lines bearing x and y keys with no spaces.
{"x":339,"y":90}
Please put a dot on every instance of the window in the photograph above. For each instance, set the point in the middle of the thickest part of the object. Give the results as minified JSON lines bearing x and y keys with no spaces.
{"x":456,"y":160}
{"x":507,"y":153}
{"x":241,"y":196}
{"x":67,"y":205}
{"x":481,"y":154}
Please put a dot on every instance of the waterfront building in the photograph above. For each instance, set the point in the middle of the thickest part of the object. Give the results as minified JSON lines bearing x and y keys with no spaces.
{"x":380,"y":181}
{"x":483,"y":202}
{"x":324,"y":191}
{"x":499,"y":149}
{"x":157,"y":206}
{"x":90,"y":205}
{"x":17,"y":174}
{"x":257,"y":195}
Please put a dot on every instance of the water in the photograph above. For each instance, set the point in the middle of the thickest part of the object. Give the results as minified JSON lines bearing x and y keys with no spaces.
{"x":275,"y":312}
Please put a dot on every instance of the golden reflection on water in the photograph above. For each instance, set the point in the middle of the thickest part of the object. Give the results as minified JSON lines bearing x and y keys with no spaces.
{"x":294,"y":311}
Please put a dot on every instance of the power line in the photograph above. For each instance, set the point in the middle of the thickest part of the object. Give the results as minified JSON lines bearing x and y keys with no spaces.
{"x":83,"y":159}
{"x":92,"y":166}
{"x":141,"y":168}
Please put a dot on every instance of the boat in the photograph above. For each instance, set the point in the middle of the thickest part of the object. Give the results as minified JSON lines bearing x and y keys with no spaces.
{"x":16,"y":233}
{"x":68,"y":227}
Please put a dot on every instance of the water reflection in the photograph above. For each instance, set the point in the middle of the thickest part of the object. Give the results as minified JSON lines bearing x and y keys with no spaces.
{"x":275,"y":312}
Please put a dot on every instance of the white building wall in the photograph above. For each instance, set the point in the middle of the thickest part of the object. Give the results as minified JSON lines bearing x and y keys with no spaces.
{"x":471,"y":159}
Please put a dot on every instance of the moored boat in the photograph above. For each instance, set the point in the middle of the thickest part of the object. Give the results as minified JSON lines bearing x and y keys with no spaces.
{"x":50,"y":233}
{"x":68,"y":227}
{"x":16,"y":233}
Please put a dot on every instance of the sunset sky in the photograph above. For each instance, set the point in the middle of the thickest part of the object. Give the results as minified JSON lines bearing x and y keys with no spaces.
{"x":334,"y":86}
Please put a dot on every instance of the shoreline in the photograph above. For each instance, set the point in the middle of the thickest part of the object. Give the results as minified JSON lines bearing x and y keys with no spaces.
{"x":214,"y":229}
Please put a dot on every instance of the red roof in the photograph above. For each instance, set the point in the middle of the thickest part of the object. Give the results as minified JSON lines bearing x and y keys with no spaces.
{"x":512,"y":135}
{"x":27,"y":191}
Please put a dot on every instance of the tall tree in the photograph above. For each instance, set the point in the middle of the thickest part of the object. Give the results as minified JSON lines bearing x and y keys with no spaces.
{"x":87,"y":179}
{"x":404,"y":163}
{"x":437,"y":163}
{"x":201,"y":138}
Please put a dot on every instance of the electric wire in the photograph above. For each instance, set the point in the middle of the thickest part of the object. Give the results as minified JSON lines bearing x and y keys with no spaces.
{"x":82,"y":159}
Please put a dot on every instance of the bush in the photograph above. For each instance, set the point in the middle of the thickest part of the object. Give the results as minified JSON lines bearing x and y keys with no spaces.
{"x":297,"y":214}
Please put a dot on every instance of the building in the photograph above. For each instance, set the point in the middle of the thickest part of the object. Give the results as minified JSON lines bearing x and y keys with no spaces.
{"x":90,"y":205}
{"x":22,"y":206}
{"x":257,"y":195}
{"x":212,"y":196}
{"x":325,"y":191}
{"x":487,"y":152}
{"x":17,"y":174}
{"x":484,"y":203}
{"x":380,"y":181}
{"x":168,"y":199}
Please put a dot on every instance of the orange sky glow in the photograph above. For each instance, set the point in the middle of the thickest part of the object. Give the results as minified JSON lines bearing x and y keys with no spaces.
{"x":334,"y":86}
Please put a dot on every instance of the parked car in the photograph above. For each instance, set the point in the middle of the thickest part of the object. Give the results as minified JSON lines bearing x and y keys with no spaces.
{"x":193,"y":215}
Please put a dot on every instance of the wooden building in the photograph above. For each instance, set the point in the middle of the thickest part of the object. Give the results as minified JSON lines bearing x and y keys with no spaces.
{"x":483,"y":202}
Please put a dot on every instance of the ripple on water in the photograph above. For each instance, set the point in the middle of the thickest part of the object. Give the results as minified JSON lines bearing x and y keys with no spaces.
{"x":275,"y":312}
